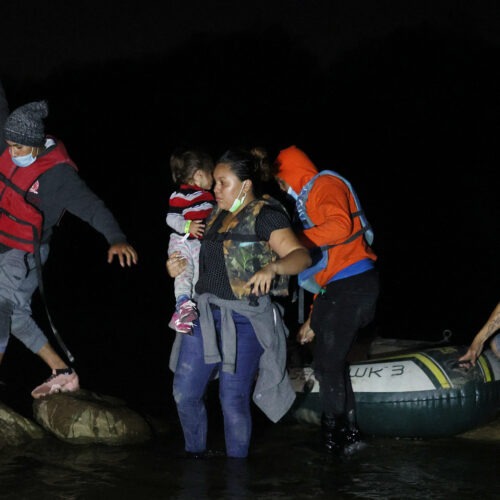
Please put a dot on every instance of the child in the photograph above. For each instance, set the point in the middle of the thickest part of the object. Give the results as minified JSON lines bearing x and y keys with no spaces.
{"x":189,"y":206}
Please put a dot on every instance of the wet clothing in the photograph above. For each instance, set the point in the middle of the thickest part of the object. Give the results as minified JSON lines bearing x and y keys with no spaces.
{"x":346,"y":306}
{"x":58,"y":189}
{"x":350,"y":279}
{"x":239,"y":342}
{"x":191,"y":381}
{"x":235,"y":341}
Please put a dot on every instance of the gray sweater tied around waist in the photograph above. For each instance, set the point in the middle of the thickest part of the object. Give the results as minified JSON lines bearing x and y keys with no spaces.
{"x":273,"y":392}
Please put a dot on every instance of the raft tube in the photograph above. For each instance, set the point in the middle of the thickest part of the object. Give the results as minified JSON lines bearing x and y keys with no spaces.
{"x":421,"y":394}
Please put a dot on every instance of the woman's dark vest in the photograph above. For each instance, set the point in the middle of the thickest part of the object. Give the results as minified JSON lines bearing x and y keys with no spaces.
{"x":244,"y":253}
{"x":21,"y":222}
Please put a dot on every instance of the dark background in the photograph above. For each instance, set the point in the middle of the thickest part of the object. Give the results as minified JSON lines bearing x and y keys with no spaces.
{"x":400,"y":97}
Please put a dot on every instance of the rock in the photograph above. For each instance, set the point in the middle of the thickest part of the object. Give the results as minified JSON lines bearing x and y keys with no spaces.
{"x":15,"y":429}
{"x":84,"y":417}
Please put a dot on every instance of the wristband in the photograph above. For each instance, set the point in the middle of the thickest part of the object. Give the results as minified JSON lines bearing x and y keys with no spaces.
{"x":187,"y":226}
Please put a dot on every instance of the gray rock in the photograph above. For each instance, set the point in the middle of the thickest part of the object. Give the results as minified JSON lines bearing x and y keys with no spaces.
{"x":15,"y":429}
{"x":84,"y":417}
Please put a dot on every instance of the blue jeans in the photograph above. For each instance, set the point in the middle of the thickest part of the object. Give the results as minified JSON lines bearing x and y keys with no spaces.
{"x":347,"y":306}
{"x":192,"y":376}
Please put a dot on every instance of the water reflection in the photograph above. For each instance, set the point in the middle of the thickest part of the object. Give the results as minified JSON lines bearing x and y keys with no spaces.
{"x":286,"y":462}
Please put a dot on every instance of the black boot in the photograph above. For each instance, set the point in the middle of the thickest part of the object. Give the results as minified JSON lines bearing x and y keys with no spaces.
{"x":329,"y":434}
{"x":340,"y":434}
{"x":348,"y":436}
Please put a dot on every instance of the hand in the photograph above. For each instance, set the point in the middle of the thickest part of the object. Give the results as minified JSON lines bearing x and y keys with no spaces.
{"x":197,"y":228}
{"x":125,"y":252}
{"x":305,"y":334}
{"x":472,"y":354}
{"x":175,"y":264}
{"x":260,"y":282}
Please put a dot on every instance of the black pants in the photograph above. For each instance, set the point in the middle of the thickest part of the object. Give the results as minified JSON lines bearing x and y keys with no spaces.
{"x":347,"y":306}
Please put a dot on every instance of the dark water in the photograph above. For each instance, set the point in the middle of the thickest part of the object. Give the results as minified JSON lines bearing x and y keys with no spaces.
{"x":286,"y":459}
{"x":122,"y":350}
{"x":285,"y":462}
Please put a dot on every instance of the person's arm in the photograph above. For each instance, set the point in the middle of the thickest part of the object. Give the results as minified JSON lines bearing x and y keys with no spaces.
{"x":125,"y":253}
{"x":305,"y":333}
{"x":293,"y":258}
{"x":176,"y":222}
{"x":63,"y":189}
{"x":489,"y":328}
{"x":179,"y":224}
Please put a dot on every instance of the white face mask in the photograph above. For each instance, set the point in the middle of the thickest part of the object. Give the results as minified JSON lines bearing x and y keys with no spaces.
{"x":25,"y":160}
{"x":237,"y":202}
{"x":292,"y":193}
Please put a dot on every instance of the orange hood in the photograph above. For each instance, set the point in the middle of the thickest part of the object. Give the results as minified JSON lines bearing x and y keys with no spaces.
{"x":295,"y":168}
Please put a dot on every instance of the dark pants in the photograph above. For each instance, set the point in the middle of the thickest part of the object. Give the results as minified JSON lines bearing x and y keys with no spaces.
{"x":338,"y":314}
{"x":235,"y":389}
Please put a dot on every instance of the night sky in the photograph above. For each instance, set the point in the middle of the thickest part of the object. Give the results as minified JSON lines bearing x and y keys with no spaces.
{"x":42,"y":36}
{"x":400,"y":97}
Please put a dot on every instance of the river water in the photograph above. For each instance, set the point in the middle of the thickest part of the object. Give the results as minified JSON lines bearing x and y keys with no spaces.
{"x":286,"y":461}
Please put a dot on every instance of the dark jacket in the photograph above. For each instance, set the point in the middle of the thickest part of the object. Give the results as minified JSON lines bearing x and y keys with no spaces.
{"x":60,"y":189}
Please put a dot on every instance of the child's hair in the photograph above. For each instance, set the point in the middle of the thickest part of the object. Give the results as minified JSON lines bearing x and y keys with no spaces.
{"x":185,"y":162}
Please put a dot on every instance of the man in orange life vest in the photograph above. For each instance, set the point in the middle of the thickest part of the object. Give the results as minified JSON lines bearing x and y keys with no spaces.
{"x":344,"y":281}
{"x":38,"y":183}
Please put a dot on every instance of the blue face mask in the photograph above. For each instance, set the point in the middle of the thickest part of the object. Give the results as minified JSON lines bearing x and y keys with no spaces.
{"x":25,"y":160}
{"x":292,"y":193}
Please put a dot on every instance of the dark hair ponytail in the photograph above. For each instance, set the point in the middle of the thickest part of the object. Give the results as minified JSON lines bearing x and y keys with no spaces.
{"x":253,"y":164}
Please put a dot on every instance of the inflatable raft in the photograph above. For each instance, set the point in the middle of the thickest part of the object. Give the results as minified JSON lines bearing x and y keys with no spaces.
{"x":418,"y":394}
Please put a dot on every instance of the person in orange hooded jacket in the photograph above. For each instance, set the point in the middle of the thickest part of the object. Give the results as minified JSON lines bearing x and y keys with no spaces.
{"x":347,"y":285}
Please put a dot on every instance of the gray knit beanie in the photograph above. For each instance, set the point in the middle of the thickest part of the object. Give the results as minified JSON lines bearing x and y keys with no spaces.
{"x":25,"y":124}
